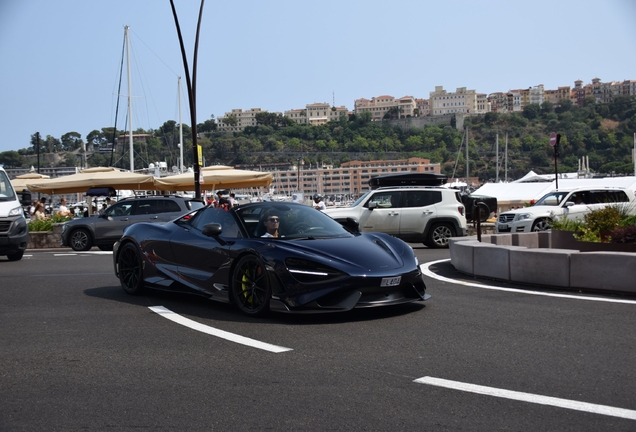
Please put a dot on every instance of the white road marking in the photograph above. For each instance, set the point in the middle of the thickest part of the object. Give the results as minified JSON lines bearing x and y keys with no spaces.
{"x":429,"y":273}
{"x":167,"y":313}
{"x":529,"y":397}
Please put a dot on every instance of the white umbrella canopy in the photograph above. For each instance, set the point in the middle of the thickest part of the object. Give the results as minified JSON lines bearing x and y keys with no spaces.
{"x":92,"y":177}
{"x":215,"y":178}
{"x":20,"y":182}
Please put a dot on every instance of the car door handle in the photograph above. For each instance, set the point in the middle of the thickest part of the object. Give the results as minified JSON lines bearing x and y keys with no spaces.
{"x":124,"y":219}
{"x":427,"y":212}
{"x":154,"y":217}
{"x":394,"y":213}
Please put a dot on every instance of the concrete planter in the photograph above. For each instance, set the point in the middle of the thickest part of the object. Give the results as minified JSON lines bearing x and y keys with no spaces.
{"x":46,"y":239}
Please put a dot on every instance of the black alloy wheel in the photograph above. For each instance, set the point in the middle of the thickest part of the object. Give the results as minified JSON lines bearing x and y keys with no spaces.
{"x":17,"y":256}
{"x":251,"y":290}
{"x":80,"y":240}
{"x":130,"y":271}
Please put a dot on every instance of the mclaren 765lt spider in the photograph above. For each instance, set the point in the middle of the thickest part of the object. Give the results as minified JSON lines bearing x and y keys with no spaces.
{"x":266,"y":256}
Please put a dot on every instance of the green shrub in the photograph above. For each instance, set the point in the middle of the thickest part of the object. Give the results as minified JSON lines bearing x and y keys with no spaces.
{"x":47,"y":224}
{"x":624,"y":234}
{"x":41,"y":225}
{"x":600,"y":224}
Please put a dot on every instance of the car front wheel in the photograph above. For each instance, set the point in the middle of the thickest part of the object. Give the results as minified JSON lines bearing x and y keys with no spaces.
{"x":80,"y":240}
{"x":438,"y":236}
{"x":17,"y":256}
{"x":129,"y":268}
{"x":251,"y":290}
{"x":541,"y":225}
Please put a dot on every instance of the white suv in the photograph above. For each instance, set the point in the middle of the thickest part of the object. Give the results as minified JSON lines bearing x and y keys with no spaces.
{"x":571,"y":203}
{"x":412,"y":213}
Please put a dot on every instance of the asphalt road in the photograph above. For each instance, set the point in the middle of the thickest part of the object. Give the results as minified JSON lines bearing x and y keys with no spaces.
{"x":77,"y":353}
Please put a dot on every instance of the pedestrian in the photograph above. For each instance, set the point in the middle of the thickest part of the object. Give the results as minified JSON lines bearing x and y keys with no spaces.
{"x":63,"y":210}
{"x":39,"y":213}
{"x":319,"y":203}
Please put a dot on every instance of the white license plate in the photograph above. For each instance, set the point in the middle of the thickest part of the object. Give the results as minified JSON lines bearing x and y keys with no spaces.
{"x":390,"y":281}
{"x":503,"y":226}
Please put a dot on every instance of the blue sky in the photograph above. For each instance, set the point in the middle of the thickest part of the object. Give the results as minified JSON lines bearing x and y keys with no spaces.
{"x":60,"y":59}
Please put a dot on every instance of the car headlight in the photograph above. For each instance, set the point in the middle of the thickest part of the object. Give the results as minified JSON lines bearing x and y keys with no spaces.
{"x":523,"y":216}
{"x":305,"y":271}
{"x":64,"y":227}
{"x":16,"y":211}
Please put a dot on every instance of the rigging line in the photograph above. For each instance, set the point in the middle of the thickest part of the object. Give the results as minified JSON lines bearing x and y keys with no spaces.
{"x":121,"y":72}
{"x":160,"y":59}
{"x":143,"y":81}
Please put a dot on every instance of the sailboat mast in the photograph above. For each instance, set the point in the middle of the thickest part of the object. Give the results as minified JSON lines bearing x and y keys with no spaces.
{"x":497,"y":157}
{"x":180,"y":130}
{"x":506,"y":154}
{"x":130,"y":136}
{"x":467,"y":178}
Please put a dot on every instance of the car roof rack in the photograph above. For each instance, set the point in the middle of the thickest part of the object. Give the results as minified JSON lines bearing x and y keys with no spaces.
{"x":408,"y":179}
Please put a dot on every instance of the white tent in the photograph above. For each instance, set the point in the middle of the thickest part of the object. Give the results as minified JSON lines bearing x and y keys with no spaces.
{"x":511,"y":195}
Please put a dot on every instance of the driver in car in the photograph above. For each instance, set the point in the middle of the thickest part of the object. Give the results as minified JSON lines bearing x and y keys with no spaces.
{"x":272,"y":224}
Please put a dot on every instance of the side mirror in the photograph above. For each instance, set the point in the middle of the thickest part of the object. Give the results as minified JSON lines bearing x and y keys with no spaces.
{"x":372,"y":205}
{"x":212,"y":229}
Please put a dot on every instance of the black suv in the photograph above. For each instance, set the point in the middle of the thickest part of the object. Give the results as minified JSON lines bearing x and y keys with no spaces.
{"x":104,"y":230}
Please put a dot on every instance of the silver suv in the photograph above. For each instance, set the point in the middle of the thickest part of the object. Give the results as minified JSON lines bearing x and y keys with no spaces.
{"x":430,"y":215}
{"x":104,"y":230}
{"x":569,"y":203}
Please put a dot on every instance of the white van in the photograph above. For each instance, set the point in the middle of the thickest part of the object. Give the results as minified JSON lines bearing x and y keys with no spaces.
{"x":14,"y":233}
{"x":572,"y":203}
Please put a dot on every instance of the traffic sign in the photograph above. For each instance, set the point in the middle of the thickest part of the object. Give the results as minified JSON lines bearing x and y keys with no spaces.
{"x":553,"y":139}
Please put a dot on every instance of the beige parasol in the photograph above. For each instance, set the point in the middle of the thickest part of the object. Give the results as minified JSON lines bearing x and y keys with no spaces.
{"x":20,"y":182}
{"x":92,"y":177}
{"x":215,"y":177}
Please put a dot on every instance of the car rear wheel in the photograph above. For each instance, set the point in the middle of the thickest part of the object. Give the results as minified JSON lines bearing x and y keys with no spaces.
{"x":438,"y":236}
{"x":129,"y":267}
{"x":80,"y":240}
{"x":251,"y":290}
{"x":541,"y":225}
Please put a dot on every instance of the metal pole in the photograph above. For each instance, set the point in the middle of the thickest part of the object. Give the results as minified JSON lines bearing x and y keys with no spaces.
{"x":497,"y":157}
{"x":191,"y":94}
{"x":130,"y":137}
{"x":180,"y":129}
{"x":467,"y":179}
{"x":37,"y":137}
{"x":506,"y":165}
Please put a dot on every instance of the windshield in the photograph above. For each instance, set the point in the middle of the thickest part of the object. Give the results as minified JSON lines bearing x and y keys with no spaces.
{"x":552,"y":199}
{"x":289,"y":221}
{"x":6,"y":190}
{"x":359,"y":200}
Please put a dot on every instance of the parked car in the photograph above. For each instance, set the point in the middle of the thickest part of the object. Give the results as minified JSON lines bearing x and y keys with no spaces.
{"x":569,"y":203}
{"x":313,"y":265}
{"x":106,"y":228}
{"x":14,"y":232}
{"x":430,"y":215}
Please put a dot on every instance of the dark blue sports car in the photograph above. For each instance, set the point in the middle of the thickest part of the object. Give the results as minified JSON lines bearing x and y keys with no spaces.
{"x":273,"y":255}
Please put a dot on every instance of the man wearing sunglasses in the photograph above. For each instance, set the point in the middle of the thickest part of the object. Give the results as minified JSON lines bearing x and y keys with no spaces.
{"x":272,"y":223}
